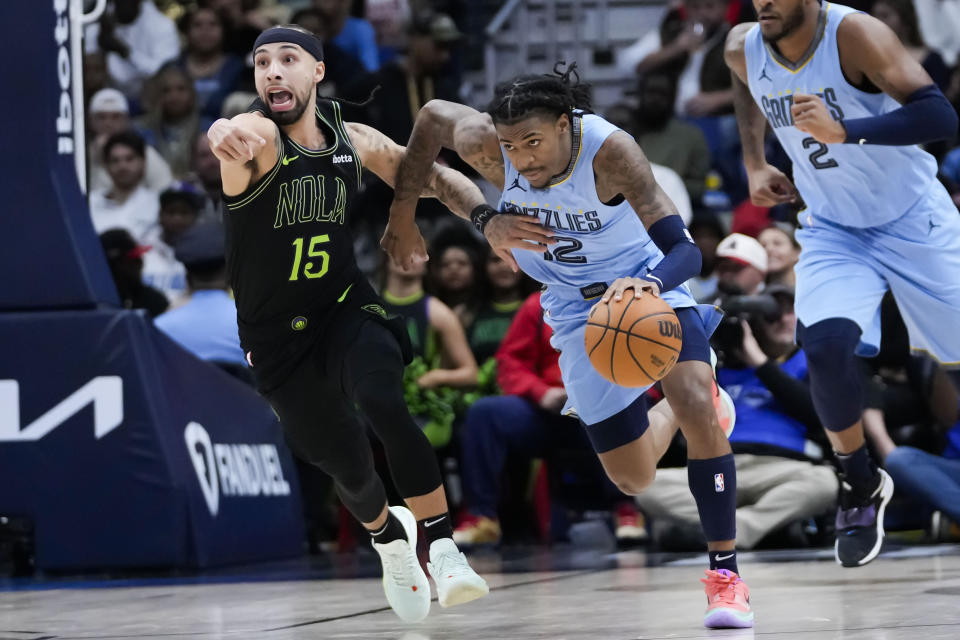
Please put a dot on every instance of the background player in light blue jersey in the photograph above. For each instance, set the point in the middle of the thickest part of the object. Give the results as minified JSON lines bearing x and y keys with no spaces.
{"x":589,"y":221}
{"x":849,"y":105}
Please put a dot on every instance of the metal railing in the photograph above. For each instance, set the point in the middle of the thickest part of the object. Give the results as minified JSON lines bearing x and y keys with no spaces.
{"x":581,"y":36}
{"x":78,"y":20}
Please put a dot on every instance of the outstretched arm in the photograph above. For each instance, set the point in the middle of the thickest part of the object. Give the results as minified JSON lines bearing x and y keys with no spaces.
{"x":472,"y":135}
{"x":622,"y":169}
{"x":768,"y":186}
{"x":454,"y":126}
{"x":402,"y":240}
{"x":247,"y":146}
{"x":383,"y":156}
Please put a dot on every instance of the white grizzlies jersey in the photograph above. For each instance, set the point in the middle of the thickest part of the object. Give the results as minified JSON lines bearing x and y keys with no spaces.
{"x":596,"y":243}
{"x":848,"y":184}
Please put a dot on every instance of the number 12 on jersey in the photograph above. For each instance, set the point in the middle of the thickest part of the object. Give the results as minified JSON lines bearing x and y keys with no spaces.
{"x":563,"y":250}
{"x":309,"y":269}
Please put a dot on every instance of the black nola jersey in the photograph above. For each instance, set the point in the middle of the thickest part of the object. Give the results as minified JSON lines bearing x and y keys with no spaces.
{"x":289,"y":251}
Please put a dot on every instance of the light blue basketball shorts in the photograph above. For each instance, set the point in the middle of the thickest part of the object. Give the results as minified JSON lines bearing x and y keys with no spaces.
{"x":844,"y":272}
{"x":589,"y":395}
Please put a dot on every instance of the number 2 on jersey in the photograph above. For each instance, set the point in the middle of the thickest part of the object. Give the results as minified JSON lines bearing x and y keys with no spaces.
{"x":312,"y":252}
{"x":816,"y":158}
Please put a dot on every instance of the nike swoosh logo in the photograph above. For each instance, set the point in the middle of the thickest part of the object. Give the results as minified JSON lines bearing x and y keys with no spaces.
{"x":430,"y":524}
{"x":719,"y":558}
{"x":287,"y":160}
{"x":344,"y":294}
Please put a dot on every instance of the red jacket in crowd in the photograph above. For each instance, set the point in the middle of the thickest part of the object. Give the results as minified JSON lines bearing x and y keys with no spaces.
{"x":526,"y":363}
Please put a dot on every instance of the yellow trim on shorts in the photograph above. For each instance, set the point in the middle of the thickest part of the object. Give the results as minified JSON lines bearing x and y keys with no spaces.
{"x":935,"y":358}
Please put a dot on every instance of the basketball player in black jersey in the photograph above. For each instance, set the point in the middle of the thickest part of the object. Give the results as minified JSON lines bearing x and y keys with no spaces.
{"x":317,"y":338}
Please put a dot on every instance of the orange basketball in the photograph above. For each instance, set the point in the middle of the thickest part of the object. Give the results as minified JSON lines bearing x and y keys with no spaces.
{"x":633,"y":343}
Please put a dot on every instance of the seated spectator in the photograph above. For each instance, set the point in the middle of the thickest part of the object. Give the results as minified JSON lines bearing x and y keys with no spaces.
{"x":109,"y":113}
{"x":741,"y":265}
{"x":690,"y":49}
{"x":405,"y":85}
{"x":778,"y":483}
{"x":901,"y":17}
{"x":180,"y":207}
{"x":931,"y":479}
{"x":172,"y":119}
{"x":214,"y":72}
{"x":137,"y":39}
{"x":940,"y":27}
{"x":95,"y":75}
{"x":442,"y":358}
{"x":457,"y":271}
{"x":783,"y":253}
{"x":506,"y":291}
{"x":412,"y":81}
{"x":667,"y":140}
{"x":205,"y":171}
{"x":389,"y":19}
{"x":707,"y":232}
{"x":911,"y":421}
{"x":352,"y":35}
{"x":125,"y":259}
{"x":126,"y":203}
{"x":242,"y":22}
{"x":206,"y":323}
{"x":525,"y":421}
{"x":341,"y":67}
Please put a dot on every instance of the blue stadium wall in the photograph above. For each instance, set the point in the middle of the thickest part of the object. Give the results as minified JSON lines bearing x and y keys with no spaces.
{"x":120,"y":447}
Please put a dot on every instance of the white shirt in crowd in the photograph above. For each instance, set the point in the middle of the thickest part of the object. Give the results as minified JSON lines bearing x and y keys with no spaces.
{"x":939,"y":22}
{"x":162,"y":270}
{"x":138,"y":214}
{"x":672,"y":185}
{"x":157,"y":175}
{"x":153,"y":40}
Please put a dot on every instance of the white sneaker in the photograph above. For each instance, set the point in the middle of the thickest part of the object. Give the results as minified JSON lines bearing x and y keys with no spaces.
{"x":404,"y":582}
{"x":457,"y":582}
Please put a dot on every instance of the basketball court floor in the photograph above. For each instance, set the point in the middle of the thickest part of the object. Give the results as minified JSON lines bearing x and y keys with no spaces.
{"x":913,"y":592}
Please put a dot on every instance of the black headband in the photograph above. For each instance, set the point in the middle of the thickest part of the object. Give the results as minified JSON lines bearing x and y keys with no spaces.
{"x":310,"y":43}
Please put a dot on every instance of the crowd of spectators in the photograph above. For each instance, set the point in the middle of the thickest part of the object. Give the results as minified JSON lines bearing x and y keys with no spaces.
{"x":485,"y":384}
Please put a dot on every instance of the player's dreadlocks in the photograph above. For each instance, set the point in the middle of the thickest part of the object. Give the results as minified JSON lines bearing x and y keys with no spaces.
{"x":549,"y":94}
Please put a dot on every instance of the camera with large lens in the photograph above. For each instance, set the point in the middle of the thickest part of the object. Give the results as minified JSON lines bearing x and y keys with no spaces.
{"x":728,"y":338}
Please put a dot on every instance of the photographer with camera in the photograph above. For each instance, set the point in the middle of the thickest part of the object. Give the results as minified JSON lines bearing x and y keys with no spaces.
{"x":779,"y":480}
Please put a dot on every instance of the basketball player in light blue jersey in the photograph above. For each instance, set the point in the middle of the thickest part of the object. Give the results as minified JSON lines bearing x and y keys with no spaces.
{"x":581,"y":212}
{"x":850,"y":105}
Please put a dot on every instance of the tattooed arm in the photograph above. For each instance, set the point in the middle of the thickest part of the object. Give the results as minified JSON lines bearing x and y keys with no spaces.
{"x":383,"y":156}
{"x":455,"y":126}
{"x":621,"y":169}
{"x":768,"y":186}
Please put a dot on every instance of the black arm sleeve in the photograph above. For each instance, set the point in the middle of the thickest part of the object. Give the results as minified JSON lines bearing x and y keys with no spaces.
{"x":792,"y":394}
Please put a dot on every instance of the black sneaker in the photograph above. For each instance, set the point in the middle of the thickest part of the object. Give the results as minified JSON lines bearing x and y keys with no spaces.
{"x":860,"y":522}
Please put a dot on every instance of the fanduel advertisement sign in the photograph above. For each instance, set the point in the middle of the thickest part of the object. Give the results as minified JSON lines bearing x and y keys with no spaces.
{"x":234,"y":470}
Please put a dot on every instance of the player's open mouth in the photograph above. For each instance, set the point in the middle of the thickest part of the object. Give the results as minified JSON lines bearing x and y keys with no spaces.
{"x":280,"y":99}
{"x":766,"y":19}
